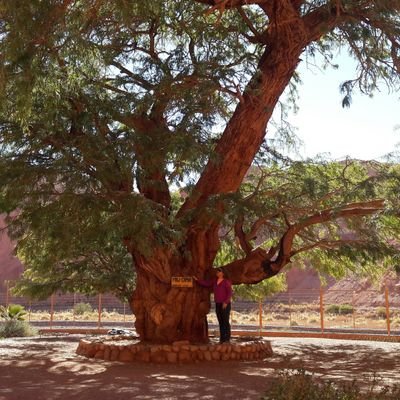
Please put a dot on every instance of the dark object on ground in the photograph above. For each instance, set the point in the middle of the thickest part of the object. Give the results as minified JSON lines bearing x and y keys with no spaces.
{"x":120,"y":331}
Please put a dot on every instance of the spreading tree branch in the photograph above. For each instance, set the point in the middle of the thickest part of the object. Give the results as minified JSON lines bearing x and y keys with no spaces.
{"x":242,"y":237}
{"x":258,"y":265}
{"x":245,"y":131}
{"x":326,"y":244}
{"x":346,"y":211}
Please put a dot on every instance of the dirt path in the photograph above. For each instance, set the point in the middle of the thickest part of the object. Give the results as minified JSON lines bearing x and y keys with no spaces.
{"x":47,"y":368}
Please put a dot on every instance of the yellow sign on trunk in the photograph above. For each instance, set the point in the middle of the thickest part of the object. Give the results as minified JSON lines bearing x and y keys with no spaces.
{"x":182,"y":281}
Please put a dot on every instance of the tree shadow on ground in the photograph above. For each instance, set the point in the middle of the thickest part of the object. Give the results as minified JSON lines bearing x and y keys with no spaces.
{"x":339,"y":360}
{"x":48,"y":368}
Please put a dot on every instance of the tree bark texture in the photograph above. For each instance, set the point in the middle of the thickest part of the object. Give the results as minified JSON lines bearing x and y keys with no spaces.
{"x":165,"y":314}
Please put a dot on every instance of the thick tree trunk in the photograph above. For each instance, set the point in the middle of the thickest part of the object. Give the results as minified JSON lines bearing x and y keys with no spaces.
{"x":165,"y":314}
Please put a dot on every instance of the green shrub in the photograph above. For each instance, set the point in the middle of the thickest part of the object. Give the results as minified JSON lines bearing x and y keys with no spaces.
{"x":381,"y":312}
{"x":346,"y":309}
{"x":12,"y":312}
{"x":396,"y":322}
{"x":82,"y":308}
{"x":339,"y":309}
{"x":17,"y":328}
{"x":333,"y":309}
{"x":303,"y":386}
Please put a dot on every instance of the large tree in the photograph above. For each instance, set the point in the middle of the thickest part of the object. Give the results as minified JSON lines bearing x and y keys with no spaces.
{"x":109,"y":107}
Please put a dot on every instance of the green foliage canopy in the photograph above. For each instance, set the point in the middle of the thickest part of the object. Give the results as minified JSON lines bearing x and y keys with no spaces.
{"x":108,"y":107}
{"x":276,"y":195}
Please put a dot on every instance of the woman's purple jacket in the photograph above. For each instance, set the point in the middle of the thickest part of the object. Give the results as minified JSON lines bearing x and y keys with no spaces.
{"x":222,"y":292}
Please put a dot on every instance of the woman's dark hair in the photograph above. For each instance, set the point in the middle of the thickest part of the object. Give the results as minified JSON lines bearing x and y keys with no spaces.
{"x":223,"y":271}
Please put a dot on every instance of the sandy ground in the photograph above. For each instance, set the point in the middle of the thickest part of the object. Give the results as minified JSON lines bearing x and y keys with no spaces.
{"x":47,"y":368}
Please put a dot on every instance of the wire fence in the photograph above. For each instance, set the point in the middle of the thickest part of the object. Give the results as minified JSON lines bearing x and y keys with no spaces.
{"x":306,"y":309}
{"x":69,"y":310}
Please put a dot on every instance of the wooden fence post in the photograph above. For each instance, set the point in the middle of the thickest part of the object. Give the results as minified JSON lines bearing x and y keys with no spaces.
{"x":99,"y":309}
{"x":321,"y":308}
{"x":387,"y":309}
{"x":354,"y":310}
{"x":260,"y":316}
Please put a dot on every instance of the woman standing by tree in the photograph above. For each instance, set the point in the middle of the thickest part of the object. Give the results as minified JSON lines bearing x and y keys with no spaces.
{"x":222,"y":288}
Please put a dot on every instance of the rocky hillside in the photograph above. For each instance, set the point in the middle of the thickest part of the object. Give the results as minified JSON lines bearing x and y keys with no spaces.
{"x":304,"y":285}
{"x":10,"y":266}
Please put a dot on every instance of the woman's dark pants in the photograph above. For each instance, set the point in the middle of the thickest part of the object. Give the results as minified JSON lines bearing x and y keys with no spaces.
{"x":223,"y":320}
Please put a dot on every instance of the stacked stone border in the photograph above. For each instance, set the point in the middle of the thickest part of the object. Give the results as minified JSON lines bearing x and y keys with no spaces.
{"x":122,"y":349}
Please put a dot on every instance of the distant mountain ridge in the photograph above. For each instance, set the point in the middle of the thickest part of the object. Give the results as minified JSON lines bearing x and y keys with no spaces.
{"x":360,"y":292}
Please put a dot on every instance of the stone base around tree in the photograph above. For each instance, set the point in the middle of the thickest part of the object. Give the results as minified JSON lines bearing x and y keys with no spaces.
{"x":130,"y":350}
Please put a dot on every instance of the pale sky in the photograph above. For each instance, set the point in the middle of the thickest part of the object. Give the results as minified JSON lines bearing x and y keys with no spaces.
{"x":366,"y":130}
